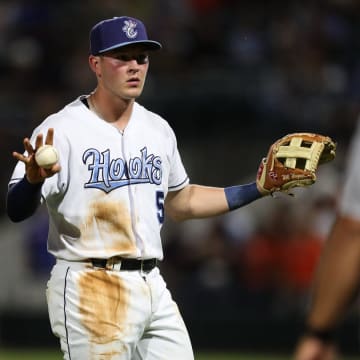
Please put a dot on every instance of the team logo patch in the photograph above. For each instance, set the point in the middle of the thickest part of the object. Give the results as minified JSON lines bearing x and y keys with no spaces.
{"x":130,"y":29}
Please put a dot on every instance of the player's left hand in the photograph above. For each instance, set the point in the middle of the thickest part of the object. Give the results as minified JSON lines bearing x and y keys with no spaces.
{"x":292,"y":162}
{"x":34,"y":173}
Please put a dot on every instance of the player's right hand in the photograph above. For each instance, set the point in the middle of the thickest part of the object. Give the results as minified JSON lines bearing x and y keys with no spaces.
{"x":34,"y":173}
{"x":310,"y":348}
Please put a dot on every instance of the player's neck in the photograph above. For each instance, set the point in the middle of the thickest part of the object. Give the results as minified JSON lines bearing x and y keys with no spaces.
{"x":116,"y":112}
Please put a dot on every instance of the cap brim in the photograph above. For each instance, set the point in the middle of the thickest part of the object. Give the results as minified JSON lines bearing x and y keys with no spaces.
{"x":149,"y":44}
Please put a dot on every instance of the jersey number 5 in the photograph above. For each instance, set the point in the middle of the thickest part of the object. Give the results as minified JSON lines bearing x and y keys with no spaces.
{"x":160,"y":206}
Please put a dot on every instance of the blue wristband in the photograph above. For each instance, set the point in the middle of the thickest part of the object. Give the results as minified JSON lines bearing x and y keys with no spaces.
{"x":240,"y":195}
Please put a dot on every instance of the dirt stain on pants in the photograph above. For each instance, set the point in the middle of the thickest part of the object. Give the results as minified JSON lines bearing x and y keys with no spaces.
{"x":103,"y":308}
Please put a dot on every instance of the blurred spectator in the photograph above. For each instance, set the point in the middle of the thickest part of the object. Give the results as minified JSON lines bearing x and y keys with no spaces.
{"x":282,"y":255}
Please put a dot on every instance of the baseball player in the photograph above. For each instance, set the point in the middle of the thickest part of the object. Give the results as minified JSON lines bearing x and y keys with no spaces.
{"x":338,"y":277}
{"x":119,"y":169}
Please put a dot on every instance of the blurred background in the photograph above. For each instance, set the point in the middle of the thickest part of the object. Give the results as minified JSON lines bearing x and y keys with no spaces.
{"x":233,"y":76}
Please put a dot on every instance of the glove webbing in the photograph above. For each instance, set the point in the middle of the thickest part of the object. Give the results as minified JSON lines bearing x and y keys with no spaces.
{"x":295,"y":151}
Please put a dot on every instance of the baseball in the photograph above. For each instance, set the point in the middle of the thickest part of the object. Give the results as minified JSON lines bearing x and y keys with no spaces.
{"x":46,"y":156}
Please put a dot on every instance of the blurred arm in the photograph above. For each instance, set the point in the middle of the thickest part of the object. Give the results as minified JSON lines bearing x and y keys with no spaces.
{"x":338,"y":275}
{"x":336,"y":284}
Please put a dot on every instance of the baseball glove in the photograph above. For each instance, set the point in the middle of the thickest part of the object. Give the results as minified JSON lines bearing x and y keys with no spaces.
{"x":292,"y":162}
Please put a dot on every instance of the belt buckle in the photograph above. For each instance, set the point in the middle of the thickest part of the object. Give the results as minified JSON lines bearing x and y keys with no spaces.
{"x":114,"y":263}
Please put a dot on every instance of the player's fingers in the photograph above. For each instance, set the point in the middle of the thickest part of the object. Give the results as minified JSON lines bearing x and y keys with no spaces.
{"x":28,"y":147}
{"x":19,"y":156}
{"x":39,"y":141}
{"x":49,"y":137}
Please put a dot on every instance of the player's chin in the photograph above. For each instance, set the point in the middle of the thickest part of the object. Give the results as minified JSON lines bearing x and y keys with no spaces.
{"x":133,"y":93}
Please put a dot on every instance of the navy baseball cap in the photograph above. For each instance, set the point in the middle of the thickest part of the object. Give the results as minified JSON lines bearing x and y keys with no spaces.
{"x":118,"y":32}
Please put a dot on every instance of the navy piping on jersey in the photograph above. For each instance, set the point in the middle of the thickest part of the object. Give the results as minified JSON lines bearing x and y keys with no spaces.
{"x":65,"y":319}
{"x":175,"y":186}
{"x":84,"y":100}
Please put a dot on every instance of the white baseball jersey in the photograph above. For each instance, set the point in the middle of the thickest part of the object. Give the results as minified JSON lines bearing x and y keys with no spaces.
{"x":350,"y":200}
{"x":108,"y":198}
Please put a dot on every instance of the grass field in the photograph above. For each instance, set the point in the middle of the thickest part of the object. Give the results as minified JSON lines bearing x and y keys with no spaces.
{"x":54,"y":355}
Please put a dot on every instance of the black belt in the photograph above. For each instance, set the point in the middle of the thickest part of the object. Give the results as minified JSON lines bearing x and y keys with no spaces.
{"x":117,"y":263}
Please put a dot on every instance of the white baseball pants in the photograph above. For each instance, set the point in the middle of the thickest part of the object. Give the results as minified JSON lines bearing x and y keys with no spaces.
{"x":114,"y":315}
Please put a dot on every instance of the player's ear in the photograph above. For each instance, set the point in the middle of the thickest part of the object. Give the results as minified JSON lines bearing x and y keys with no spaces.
{"x":94,"y":64}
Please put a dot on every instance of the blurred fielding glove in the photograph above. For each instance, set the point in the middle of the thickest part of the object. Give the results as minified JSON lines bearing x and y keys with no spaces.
{"x":292,"y":162}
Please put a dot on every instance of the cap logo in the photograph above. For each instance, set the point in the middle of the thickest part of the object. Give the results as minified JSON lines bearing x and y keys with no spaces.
{"x":129,"y":29}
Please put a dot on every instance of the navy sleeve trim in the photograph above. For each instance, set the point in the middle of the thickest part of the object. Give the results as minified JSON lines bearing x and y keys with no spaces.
{"x":23,"y":199}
